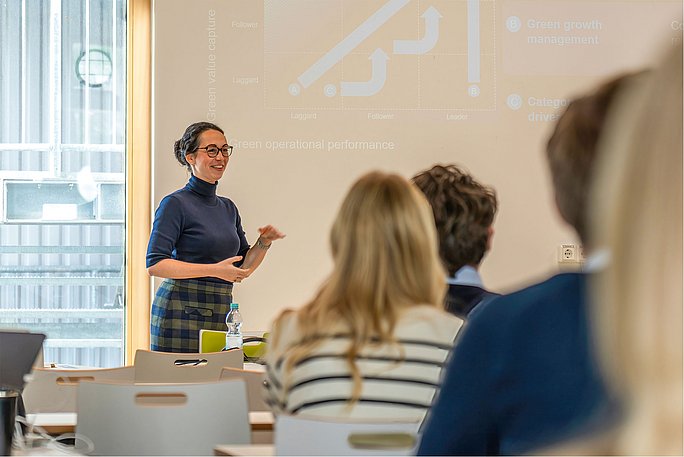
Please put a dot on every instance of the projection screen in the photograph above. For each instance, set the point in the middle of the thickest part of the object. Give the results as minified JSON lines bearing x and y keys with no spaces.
{"x":313,"y":93}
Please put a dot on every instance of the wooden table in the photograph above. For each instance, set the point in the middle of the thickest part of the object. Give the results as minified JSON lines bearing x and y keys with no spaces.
{"x":254,"y":367}
{"x":244,"y":449}
{"x":58,"y":423}
{"x":261,"y":420}
{"x":54,"y":423}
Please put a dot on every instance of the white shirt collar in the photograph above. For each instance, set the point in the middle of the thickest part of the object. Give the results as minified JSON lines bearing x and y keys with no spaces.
{"x":466,"y":276}
{"x":597,"y":261}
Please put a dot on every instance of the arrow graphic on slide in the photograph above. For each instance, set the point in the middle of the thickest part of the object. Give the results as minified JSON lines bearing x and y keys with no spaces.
{"x":429,"y":40}
{"x":373,"y":85}
{"x":473,"y":41}
{"x":351,"y":41}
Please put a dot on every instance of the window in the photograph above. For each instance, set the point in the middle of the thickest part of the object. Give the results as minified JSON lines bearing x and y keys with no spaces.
{"x":62,"y":175}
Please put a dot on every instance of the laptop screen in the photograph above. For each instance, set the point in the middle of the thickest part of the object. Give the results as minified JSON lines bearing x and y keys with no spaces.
{"x":18,"y":351}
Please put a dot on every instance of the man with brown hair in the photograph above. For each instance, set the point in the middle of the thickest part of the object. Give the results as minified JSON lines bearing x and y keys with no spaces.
{"x":464,"y":212}
{"x":571,"y":153}
{"x":523,"y":374}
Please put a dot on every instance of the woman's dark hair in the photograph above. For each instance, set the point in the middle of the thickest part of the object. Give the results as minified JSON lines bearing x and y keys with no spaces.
{"x":190,"y":141}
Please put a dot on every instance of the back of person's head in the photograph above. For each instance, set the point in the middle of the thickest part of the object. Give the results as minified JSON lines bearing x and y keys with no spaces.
{"x":384,"y":248}
{"x":637,"y":216}
{"x":464,"y":212}
{"x":571,"y":151}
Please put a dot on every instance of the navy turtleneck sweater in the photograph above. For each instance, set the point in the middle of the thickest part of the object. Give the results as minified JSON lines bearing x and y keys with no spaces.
{"x":195,"y":225}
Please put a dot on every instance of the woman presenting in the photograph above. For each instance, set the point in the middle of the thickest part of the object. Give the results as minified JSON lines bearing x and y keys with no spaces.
{"x":197,"y":244}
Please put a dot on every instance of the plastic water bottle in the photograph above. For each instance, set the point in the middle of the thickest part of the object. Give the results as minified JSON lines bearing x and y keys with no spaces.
{"x":234,"y":324}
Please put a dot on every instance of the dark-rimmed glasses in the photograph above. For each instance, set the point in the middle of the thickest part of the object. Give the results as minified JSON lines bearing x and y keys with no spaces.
{"x":213,"y":150}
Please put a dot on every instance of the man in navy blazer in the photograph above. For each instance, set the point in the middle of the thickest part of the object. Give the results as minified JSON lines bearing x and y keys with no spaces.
{"x":464,"y":212}
{"x":522,"y":375}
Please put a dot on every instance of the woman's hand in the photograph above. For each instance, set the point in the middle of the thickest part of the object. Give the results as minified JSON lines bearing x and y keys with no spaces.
{"x":228,"y":272}
{"x":269,"y":234}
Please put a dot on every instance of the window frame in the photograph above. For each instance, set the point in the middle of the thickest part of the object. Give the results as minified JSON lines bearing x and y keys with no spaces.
{"x":138,"y":176}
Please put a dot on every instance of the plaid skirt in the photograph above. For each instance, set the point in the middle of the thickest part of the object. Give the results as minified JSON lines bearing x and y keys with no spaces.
{"x":182,"y":307}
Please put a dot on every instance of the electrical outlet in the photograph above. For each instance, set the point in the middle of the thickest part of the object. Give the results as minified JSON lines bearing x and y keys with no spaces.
{"x":580,"y":254}
{"x":568,"y":253}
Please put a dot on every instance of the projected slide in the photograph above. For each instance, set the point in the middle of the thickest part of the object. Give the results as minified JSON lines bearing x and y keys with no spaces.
{"x":371,"y":68}
{"x":439,"y":41}
{"x":397,"y":54}
{"x":313,"y":93}
{"x":461,"y":58}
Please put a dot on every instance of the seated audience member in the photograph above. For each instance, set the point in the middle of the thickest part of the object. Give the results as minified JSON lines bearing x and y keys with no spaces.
{"x":522,"y":371}
{"x":372,"y":342}
{"x":464,"y":213}
{"x":637,"y":316}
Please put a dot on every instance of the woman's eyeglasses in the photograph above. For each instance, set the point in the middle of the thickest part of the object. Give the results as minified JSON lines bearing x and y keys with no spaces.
{"x":213,"y":150}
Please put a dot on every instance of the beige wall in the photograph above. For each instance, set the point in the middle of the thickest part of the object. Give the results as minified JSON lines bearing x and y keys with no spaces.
{"x":205,"y":65}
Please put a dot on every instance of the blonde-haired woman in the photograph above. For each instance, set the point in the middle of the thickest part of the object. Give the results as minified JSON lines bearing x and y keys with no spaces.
{"x":373,"y":341}
{"x":637,"y":312}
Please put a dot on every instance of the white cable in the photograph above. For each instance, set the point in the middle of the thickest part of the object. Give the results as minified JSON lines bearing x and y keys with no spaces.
{"x":37,"y":437}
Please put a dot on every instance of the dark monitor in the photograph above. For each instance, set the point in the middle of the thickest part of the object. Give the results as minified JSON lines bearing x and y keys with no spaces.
{"x":18,"y":352}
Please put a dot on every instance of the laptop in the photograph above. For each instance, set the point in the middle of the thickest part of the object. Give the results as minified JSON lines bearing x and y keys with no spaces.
{"x":18,"y":352}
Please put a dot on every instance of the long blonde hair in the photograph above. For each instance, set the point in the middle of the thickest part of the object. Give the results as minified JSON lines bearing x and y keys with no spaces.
{"x":637,"y":316}
{"x":385,"y":253}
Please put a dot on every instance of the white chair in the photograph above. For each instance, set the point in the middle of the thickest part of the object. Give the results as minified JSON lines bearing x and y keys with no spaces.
{"x":53,"y":390}
{"x":300,"y":435}
{"x":254,"y":381}
{"x":162,"y":419}
{"x":151,"y":366}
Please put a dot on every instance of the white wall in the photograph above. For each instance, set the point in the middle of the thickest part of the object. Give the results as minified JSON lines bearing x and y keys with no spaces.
{"x":233,"y":62}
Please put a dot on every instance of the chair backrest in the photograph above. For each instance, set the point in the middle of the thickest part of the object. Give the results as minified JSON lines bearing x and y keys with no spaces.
{"x":163,"y":419}
{"x":53,"y":390}
{"x":211,"y":340}
{"x":299,"y":435}
{"x":253,"y":347}
{"x":153,"y":366}
{"x":254,"y":381}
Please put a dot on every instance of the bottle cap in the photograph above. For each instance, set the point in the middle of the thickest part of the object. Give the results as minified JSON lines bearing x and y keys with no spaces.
{"x":234,"y":306}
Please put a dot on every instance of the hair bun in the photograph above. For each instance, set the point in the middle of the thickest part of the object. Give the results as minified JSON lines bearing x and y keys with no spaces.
{"x":178,"y":152}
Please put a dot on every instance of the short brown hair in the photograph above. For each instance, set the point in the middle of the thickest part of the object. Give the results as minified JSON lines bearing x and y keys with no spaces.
{"x":571,"y":151}
{"x":463,"y":210}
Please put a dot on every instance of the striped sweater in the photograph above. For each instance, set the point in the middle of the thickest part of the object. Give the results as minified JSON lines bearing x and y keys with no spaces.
{"x":398,"y":381}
